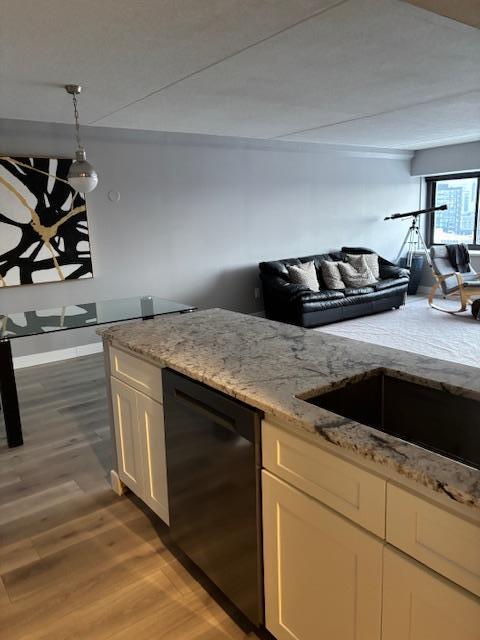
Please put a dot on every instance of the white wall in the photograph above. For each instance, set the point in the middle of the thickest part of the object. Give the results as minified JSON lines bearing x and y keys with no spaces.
{"x":197,"y":213}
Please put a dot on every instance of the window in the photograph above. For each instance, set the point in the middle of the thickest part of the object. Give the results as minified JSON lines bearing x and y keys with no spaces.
{"x":460,"y":222}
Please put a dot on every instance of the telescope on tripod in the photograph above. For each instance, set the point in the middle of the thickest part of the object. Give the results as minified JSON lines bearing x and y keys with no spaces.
{"x":414,"y":239}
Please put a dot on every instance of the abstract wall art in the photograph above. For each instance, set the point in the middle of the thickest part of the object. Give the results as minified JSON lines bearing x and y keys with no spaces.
{"x":44,"y":233}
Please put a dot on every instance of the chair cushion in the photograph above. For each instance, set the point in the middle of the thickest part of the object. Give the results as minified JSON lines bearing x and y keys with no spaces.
{"x":304,"y":274}
{"x":472,"y":283}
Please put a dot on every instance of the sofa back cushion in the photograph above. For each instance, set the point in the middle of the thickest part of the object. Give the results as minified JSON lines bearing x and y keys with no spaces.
{"x":331,"y":274}
{"x":353,"y":278}
{"x":279,"y":267}
{"x":305,"y":274}
{"x":362,"y":260}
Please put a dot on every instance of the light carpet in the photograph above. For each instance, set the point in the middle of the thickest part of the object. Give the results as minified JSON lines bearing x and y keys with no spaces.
{"x":419,"y":329}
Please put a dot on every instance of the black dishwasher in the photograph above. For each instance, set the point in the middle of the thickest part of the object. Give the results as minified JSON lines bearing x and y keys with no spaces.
{"x":213,"y":470}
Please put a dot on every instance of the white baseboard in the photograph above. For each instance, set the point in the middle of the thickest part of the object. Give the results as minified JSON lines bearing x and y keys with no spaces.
{"x":20,"y":362}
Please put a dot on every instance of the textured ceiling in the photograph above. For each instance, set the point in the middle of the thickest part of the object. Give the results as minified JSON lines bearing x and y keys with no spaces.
{"x":379,"y":73}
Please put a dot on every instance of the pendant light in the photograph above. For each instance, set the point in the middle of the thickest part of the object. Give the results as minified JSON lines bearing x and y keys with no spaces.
{"x":82,"y":176}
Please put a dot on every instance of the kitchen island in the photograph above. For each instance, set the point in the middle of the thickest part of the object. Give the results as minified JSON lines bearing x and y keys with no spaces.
{"x":369,"y":500}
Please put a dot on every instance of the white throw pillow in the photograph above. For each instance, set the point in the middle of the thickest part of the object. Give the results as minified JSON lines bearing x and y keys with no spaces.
{"x":354,"y":278}
{"x":305,"y":274}
{"x":369,"y":259}
{"x":331,"y":275}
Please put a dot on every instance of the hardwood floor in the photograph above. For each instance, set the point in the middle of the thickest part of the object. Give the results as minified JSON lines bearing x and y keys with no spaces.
{"x":77,"y":561}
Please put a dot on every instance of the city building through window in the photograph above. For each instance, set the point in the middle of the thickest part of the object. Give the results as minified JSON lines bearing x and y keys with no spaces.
{"x":460,"y":222}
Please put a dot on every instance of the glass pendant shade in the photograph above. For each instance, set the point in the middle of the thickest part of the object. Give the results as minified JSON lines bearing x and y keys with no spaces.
{"x":82,"y":176}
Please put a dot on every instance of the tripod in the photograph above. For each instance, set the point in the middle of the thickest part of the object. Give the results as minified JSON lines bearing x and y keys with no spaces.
{"x":413,"y":240}
{"x":414,"y":236}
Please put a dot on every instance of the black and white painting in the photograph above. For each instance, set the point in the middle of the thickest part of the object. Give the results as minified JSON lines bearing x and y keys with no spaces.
{"x":43,"y":223}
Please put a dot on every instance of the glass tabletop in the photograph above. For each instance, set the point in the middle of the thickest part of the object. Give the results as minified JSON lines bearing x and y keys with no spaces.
{"x":89,"y":314}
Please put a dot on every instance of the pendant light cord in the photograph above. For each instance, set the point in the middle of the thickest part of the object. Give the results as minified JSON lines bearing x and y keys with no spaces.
{"x":77,"y":123}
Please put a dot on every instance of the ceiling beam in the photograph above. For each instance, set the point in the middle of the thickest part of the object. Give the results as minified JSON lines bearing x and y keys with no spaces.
{"x":466,"y":11}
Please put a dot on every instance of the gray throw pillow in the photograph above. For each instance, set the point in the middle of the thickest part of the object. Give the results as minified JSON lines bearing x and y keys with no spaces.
{"x":305,"y":274}
{"x":354,"y":278}
{"x":369,"y":259}
{"x":331,"y":275}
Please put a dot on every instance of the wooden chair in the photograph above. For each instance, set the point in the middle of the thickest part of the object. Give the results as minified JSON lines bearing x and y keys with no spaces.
{"x":466,"y":285}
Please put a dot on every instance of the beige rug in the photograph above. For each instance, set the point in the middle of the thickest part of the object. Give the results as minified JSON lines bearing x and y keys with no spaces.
{"x":419,"y":329}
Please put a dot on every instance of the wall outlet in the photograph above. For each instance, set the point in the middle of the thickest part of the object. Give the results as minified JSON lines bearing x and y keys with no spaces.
{"x":256,"y":293}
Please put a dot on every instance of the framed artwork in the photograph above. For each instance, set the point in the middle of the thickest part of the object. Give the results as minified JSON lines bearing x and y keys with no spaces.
{"x":44,"y":233}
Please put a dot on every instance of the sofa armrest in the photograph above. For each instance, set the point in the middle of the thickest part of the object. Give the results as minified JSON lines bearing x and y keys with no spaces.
{"x":392,"y":271}
{"x":282,"y":287}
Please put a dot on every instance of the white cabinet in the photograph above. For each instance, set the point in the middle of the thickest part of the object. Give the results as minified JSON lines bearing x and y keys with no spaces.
{"x":442,"y":540}
{"x":418,"y":604}
{"x":347,"y":489}
{"x":152,"y":440}
{"x":127,"y":437}
{"x":323,"y":574}
{"x":140,"y":444}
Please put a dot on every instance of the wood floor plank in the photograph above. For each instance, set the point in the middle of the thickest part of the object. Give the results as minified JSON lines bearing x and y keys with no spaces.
{"x":51,"y":516}
{"x":46,"y":450}
{"x":19,"y":554}
{"x":8,"y":480}
{"x":84,"y":528}
{"x":116,"y":546}
{"x":124,"y":606}
{"x":174,"y":621}
{"x":4,"y":600}
{"x":52,"y":596}
{"x":37,"y":501}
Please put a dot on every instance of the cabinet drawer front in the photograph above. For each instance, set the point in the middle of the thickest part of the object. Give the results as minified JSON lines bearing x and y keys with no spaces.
{"x":351,"y":491}
{"x":137,"y":373}
{"x":323,"y":574}
{"x":443,"y":541}
{"x":420,"y":605}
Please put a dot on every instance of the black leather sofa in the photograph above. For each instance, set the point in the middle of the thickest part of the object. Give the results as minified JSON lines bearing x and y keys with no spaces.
{"x":297,"y":304}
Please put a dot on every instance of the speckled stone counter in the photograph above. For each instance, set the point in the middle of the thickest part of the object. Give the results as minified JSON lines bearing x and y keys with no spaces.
{"x":268,"y":365}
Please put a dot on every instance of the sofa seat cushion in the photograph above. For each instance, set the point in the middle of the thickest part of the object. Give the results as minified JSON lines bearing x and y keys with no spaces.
{"x":387,"y":283}
{"x":374,"y":295}
{"x":357,"y":291}
{"x":308,"y":305}
{"x":320,"y":296}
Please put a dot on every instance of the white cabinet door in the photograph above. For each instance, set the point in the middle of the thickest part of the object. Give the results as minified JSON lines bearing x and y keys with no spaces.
{"x":323,"y":574}
{"x":128,"y":442}
{"x":152,"y":435}
{"x":420,"y":605}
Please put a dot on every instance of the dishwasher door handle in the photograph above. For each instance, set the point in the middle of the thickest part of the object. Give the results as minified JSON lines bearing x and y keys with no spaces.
{"x":206,"y":410}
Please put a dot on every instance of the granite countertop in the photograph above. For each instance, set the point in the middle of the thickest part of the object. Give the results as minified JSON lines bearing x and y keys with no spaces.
{"x":268,"y":364}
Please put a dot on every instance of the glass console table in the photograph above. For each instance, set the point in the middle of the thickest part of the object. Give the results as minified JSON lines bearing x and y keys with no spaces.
{"x":90,"y":314}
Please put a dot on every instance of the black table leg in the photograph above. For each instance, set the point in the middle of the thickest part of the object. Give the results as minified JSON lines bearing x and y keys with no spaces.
{"x":8,"y":391}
